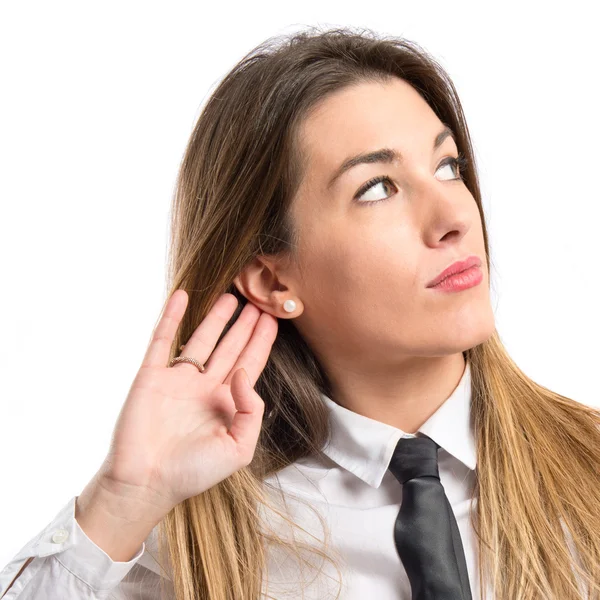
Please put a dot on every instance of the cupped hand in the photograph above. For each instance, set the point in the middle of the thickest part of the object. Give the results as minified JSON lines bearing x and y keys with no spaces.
{"x":180,"y":431}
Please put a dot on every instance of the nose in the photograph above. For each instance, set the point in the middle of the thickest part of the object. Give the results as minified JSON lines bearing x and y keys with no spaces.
{"x":444,"y":209}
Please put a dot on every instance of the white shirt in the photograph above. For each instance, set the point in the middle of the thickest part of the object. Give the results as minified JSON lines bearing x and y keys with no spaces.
{"x":351,"y":488}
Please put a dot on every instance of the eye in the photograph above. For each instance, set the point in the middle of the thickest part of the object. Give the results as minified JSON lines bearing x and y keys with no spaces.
{"x":365,"y":194}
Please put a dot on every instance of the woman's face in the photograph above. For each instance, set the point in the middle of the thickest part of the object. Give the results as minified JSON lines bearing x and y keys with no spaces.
{"x":360,"y":287}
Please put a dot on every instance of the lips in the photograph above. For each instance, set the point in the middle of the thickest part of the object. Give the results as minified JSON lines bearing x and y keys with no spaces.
{"x":457,"y":267}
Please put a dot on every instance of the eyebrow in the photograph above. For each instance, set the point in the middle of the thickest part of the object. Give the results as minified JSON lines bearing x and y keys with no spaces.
{"x":383,"y":155}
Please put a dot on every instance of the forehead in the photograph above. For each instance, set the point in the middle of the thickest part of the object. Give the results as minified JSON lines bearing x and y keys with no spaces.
{"x":367,"y":116}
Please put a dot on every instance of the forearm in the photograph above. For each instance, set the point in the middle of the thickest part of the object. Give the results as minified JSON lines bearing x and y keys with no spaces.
{"x":118,"y":524}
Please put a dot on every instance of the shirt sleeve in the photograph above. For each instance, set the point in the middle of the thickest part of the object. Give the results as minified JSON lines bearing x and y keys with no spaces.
{"x":67,"y":564}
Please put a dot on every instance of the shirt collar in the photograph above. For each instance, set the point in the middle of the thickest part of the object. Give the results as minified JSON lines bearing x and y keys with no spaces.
{"x":365,"y":446}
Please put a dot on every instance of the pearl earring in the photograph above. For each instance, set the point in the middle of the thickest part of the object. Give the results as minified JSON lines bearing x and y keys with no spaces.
{"x":289,"y":306}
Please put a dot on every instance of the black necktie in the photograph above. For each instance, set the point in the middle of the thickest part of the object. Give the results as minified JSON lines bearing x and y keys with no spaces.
{"x":425,"y":533}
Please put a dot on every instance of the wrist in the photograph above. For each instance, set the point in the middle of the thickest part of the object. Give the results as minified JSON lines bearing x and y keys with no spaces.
{"x":127,"y":504}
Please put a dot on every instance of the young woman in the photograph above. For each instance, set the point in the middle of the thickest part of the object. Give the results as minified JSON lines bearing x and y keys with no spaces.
{"x":327,"y":186}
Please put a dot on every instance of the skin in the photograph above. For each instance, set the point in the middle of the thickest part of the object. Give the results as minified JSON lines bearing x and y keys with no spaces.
{"x":391,"y":347}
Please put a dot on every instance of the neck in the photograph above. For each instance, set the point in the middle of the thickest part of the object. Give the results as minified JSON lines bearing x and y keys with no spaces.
{"x":404,"y":395}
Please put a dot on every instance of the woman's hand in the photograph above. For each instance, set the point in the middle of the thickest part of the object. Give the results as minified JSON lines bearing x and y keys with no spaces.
{"x":180,"y":431}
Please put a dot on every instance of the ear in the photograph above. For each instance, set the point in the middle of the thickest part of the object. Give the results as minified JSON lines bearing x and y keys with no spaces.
{"x":260,"y":283}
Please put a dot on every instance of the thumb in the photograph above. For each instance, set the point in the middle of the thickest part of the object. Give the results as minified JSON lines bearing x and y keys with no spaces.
{"x":247,"y":421}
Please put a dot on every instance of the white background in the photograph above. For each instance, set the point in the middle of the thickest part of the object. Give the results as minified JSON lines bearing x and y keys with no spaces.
{"x":97,"y":104}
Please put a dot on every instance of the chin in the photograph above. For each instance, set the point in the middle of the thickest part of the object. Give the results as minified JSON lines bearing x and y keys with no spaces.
{"x":464,"y":334}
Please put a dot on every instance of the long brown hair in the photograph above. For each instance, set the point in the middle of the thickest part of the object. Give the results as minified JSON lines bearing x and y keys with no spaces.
{"x":537,"y":508}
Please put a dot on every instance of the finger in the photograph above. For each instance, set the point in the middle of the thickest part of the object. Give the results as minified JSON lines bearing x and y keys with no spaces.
{"x":205,"y":336}
{"x":247,"y":421}
{"x":256,"y":353}
{"x":233,"y":343}
{"x":157,"y":353}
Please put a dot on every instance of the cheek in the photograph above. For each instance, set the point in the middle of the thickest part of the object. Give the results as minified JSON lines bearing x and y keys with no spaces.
{"x":360,"y":277}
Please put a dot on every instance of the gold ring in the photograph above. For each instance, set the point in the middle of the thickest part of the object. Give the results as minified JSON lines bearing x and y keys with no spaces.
{"x":187,"y":359}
